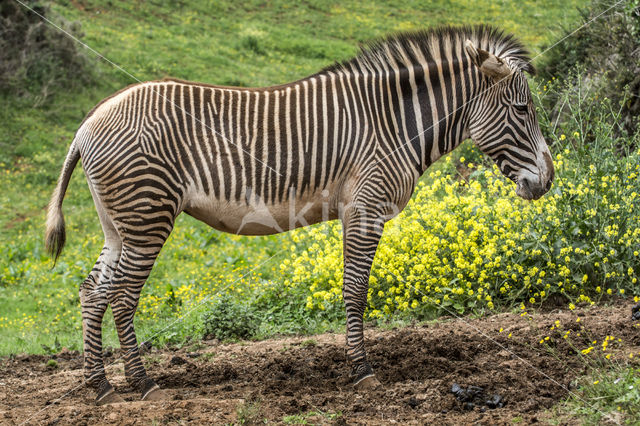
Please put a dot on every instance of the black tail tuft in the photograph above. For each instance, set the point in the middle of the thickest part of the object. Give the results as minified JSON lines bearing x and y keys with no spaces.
{"x":55,"y":240}
{"x":55,"y":236}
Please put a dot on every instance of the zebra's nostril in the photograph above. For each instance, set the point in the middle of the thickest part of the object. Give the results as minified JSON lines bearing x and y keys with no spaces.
{"x":548,"y":185}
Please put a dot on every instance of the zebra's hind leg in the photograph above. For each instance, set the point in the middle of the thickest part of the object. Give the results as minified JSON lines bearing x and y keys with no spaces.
{"x":93,"y":299}
{"x":133,"y":269}
{"x":361,"y":234}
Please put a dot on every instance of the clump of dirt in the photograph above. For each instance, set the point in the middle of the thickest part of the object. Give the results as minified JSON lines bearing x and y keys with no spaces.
{"x":307,"y":377}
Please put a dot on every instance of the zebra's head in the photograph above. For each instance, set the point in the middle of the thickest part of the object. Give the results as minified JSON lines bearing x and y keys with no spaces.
{"x":503,"y":123}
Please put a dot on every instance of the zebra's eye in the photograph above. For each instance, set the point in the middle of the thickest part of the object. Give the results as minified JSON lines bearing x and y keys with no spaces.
{"x":521,"y":108}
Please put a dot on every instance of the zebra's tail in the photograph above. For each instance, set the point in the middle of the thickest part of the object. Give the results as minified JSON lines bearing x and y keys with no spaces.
{"x":55,"y":234}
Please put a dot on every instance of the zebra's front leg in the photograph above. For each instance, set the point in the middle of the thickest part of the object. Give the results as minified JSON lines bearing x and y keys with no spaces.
{"x":360,"y":239}
{"x":133,"y":269}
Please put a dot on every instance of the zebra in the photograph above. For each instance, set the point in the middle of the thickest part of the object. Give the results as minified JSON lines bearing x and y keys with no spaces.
{"x":349,"y":142}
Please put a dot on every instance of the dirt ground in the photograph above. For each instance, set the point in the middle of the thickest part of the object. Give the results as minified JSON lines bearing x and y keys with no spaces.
{"x":306,"y":377}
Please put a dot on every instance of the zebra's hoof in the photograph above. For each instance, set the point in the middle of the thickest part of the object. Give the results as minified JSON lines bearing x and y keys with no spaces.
{"x":363,"y":377}
{"x":110,"y":396}
{"x":367,"y":383}
{"x":155,"y":394}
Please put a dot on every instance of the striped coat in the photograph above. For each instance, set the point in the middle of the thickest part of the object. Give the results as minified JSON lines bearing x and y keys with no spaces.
{"x":348,"y":143}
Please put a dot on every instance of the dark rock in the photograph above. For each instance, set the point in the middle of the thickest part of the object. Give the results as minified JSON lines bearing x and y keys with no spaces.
{"x":465,"y":395}
{"x":635,"y":312}
{"x":495,"y":401}
{"x":475,"y":396}
{"x":413,"y":402}
{"x":176,"y":360}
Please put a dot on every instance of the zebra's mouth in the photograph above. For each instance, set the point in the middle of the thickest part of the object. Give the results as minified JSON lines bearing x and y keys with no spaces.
{"x":527,"y":191}
{"x":523,"y":191}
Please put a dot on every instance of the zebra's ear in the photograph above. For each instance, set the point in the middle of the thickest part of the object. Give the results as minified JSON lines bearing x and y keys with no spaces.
{"x":488,"y":63}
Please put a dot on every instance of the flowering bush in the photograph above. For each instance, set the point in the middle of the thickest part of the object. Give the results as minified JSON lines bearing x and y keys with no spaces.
{"x":472,"y":245}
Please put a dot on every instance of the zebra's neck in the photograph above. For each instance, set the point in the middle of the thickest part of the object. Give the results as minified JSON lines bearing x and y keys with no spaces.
{"x":418,"y":112}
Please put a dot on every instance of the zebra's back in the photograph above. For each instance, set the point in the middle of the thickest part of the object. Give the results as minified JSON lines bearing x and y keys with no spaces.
{"x":249,"y":161}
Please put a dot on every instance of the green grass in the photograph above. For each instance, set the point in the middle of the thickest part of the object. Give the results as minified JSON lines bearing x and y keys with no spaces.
{"x":249,"y":43}
{"x":310,"y":418}
{"x":607,"y":396}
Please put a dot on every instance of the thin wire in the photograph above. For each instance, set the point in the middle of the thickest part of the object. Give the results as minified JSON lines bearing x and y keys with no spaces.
{"x":488,"y":88}
{"x":208,"y":298}
{"x":494,"y":341}
{"x":576,"y":30}
{"x":181,"y":318}
{"x":121,"y":69}
{"x":127,"y":73}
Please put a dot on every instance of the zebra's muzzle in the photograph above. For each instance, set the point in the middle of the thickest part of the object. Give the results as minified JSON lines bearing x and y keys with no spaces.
{"x":532,"y":186}
{"x":532,"y":191}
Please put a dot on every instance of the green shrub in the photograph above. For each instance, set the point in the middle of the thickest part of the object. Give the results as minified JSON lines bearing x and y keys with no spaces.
{"x":607,"y":48}
{"x":37,"y":59}
{"x":471,"y":246}
{"x":229,"y":318}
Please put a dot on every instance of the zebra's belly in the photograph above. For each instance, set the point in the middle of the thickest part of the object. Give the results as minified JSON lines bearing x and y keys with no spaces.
{"x":259,"y":218}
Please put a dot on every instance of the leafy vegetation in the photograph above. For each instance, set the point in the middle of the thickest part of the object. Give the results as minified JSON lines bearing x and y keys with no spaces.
{"x":607,"y":49}
{"x":36,"y":59}
{"x":474,"y":246}
{"x":606,"y":392}
{"x":227,"y":319}
{"x":310,"y":418}
{"x":465,"y":244}
{"x":217,"y":42}
{"x":606,"y":396}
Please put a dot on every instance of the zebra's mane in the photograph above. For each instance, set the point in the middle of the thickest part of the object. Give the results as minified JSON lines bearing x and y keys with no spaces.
{"x":431,"y":44}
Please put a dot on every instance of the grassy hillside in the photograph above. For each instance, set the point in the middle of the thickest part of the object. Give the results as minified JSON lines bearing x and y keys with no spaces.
{"x":252,"y":43}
